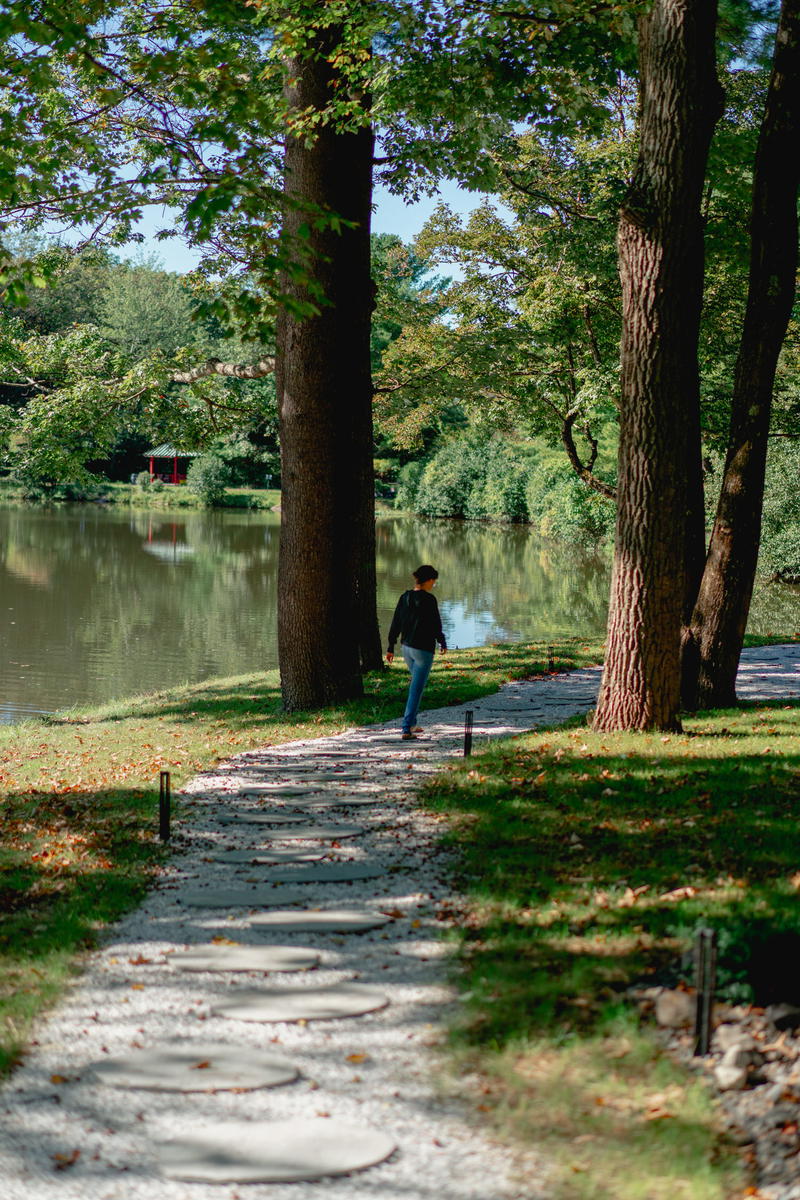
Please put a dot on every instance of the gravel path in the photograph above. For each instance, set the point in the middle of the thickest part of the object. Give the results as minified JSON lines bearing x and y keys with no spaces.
{"x":377,"y":1070}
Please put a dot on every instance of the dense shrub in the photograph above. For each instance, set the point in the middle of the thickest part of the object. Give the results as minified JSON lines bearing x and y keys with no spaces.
{"x":446,"y":485}
{"x":562,"y":507}
{"x":143,"y":479}
{"x":780,"y":538}
{"x":407,"y":483}
{"x":502,"y":479}
{"x":208,"y":477}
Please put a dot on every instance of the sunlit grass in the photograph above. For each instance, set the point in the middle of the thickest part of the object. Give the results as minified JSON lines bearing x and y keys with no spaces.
{"x":589,"y":860}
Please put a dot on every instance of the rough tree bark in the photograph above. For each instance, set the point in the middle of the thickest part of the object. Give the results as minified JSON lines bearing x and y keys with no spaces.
{"x":661,"y":268}
{"x":723,"y":602}
{"x":326,"y":602}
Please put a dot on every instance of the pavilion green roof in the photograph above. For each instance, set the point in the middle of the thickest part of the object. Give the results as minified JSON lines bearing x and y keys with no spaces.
{"x":167,"y":451}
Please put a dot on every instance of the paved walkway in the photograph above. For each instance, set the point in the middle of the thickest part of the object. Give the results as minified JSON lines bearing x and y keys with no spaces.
{"x":70,"y":1133}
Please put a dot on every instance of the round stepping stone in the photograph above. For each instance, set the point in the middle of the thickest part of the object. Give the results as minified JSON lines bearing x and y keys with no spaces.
{"x":326,"y":873}
{"x":331,"y":920}
{"x":257,"y":855}
{"x":301,"y":1004}
{"x":298,"y":1151}
{"x":336,"y":776}
{"x":319,"y":831}
{"x":275,"y":789}
{"x":322,"y":805}
{"x":214,"y":957}
{"x":194,"y":1067}
{"x":255,"y":897}
{"x":261,"y":817}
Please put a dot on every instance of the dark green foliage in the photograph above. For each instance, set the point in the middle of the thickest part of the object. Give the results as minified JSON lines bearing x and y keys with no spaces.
{"x":208,"y":477}
{"x":505,"y":479}
{"x":563,"y":508}
{"x":780,"y":544}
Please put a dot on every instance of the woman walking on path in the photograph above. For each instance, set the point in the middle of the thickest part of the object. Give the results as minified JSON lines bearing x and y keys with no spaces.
{"x":417,"y":623}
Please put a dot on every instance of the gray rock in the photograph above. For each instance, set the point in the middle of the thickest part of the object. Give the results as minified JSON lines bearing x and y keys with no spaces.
{"x":729,"y":1078}
{"x":742,"y":1054}
{"x":731,"y":1034}
{"x":784,"y":1016}
{"x":674,"y":1009}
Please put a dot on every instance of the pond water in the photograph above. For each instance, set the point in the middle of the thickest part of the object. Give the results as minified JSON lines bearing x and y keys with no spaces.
{"x":98,"y":603}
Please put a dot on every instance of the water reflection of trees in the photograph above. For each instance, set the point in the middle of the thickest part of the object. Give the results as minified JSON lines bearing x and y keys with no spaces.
{"x":87,"y":613}
{"x":106,"y":618}
{"x":527,"y":588}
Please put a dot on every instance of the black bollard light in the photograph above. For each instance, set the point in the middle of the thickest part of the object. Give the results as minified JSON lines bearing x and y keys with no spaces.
{"x":163,"y":807}
{"x":705,"y":977}
{"x":551,"y":659}
{"x":468,"y":716}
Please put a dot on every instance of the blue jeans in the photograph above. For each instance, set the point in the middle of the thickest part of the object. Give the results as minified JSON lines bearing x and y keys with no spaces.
{"x":419,"y":663}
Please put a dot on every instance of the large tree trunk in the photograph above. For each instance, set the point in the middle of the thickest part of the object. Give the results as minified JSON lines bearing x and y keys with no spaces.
{"x":661,"y":269}
{"x":326,"y":602}
{"x":723,"y":602}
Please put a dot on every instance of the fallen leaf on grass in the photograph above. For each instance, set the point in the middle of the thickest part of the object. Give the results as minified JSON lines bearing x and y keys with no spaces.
{"x":681,"y":893}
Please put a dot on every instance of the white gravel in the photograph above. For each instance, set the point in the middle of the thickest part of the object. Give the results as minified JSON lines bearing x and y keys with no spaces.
{"x":381,"y":1070}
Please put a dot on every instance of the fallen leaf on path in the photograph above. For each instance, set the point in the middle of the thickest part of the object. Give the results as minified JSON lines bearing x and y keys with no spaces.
{"x":63,"y":1161}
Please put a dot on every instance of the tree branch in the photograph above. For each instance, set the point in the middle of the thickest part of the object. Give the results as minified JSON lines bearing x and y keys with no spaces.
{"x":213,"y":366}
{"x":583,"y":471}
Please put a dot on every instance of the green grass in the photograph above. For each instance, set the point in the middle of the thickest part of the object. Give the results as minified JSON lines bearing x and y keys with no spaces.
{"x":170,"y":497}
{"x":78,"y":803}
{"x":588,"y":861}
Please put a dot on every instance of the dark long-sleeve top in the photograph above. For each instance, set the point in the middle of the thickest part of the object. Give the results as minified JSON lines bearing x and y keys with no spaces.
{"x":416,"y":622}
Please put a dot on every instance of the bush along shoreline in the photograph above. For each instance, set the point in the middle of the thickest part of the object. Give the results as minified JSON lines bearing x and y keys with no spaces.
{"x":501,"y":478}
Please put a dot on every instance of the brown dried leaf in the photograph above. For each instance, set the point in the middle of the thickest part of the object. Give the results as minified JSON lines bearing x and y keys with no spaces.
{"x":62,"y":1161}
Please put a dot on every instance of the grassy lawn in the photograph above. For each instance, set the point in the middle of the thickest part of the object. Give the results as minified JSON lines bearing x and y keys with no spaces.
{"x":170,"y":497}
{"x":588,"y":861}
{"x":78,"y":799}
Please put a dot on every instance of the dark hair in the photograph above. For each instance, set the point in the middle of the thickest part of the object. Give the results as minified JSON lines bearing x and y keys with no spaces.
{"x":424,"y":573}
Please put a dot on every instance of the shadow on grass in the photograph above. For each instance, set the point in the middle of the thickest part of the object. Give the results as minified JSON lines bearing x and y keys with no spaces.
{"x":256,"y":700}
{"x":589,"y":861}
{"x":70,"y":864}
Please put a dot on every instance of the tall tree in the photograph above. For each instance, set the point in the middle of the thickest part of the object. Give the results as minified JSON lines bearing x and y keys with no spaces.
{"x":723,"y":602}
{"x":326,"y":567}
{"x":661,"y":269}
